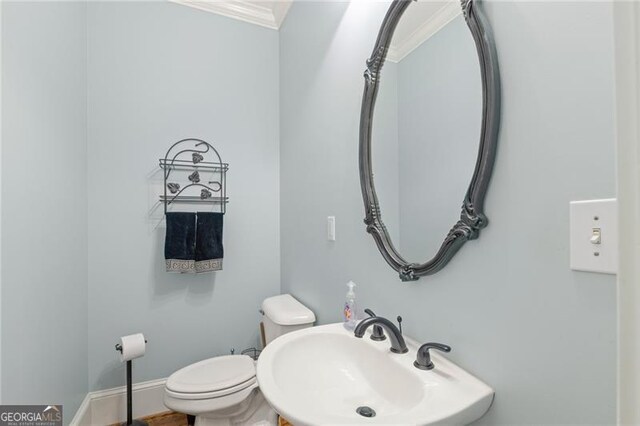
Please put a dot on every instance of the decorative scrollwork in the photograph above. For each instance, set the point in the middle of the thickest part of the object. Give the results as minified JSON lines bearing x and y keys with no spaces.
{"x":205,"y":193}
{"x":472,"y":218}
{"x":194,"y":177}
{"x":173,"y":187}
{"x":466,"y":8}
{"x":374,"y":64}
{"x":196,"y":157}
{"x":408,"y":273}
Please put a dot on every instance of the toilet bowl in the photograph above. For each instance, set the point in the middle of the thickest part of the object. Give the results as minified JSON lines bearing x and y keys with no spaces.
{"x":223,"y":390}
{"x":219,"y":391}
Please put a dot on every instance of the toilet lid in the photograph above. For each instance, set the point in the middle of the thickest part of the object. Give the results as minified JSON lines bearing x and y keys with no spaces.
{"x":229,"y":372}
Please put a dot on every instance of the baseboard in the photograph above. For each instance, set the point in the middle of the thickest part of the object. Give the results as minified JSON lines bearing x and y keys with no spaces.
{"x":83,"y":415}
{"x":109,"y":406}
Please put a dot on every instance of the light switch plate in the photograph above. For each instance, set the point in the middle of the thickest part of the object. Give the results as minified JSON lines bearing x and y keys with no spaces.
{"x":588,"y":220}
{"x":331,"y":228}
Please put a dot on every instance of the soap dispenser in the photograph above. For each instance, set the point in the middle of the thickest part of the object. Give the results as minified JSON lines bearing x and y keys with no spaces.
{"x":350,"y":307}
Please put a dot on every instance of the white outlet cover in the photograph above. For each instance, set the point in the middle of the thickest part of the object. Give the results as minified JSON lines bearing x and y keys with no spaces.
{"x":584,"y":217}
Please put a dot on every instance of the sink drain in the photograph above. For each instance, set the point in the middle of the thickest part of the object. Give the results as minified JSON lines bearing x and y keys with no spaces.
{"x":365,"y":411}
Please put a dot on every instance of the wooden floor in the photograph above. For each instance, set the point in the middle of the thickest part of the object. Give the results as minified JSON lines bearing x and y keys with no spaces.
{"x":283,"y":422}
{"x":170,"y":418}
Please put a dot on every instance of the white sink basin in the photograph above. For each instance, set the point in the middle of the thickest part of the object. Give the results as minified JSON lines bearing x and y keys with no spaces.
{"x":321,"y":375}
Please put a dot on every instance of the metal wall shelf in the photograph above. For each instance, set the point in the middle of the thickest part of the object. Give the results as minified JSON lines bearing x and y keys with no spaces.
{"x":193,"y":198}
{"x":188,"y":164}
{"x":190,"y":154}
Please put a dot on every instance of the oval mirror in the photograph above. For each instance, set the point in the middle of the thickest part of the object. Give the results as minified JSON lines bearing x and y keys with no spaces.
{"x":428,"y":132}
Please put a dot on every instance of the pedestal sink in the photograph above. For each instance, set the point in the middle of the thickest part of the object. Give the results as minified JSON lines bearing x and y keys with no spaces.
{"x":325,"y":376}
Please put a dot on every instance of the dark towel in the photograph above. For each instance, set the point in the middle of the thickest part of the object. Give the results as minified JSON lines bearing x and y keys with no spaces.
{"x":180,"y":242}
{"x":193,"y":242}
{"x":209,"y":249}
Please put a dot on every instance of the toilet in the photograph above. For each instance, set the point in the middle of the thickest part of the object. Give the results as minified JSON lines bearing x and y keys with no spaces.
{"x":223,"y":390}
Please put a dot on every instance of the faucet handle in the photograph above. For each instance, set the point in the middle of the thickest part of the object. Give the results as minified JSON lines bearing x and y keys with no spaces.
{"x":423,"y":358}
{"x":399,"y":323}
{"x":377,"y":334}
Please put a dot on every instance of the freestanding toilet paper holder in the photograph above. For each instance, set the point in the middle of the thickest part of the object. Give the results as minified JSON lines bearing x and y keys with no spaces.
{"x":130,"y":421}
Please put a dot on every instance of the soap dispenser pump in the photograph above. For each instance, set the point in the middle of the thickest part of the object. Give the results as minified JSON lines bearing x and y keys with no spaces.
{"x":350,"y":307}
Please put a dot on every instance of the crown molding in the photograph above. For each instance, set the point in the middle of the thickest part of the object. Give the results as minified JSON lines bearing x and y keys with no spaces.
{"x":447,"y":13}
{"x":280,"y":9}
{"x":269,"y":14}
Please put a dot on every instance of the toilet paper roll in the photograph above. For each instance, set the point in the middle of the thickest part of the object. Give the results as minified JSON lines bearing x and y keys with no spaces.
{"x":133,"y":346}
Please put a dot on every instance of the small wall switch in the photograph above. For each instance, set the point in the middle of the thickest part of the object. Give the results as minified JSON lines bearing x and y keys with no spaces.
{"x":594,"y":235}
{"x":331,"y":228}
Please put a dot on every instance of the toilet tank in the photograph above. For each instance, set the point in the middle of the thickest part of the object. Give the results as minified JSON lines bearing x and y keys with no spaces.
{"x":283,"y":314}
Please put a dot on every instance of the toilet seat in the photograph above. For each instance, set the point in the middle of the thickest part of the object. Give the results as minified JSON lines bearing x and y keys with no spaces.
{"x":213,"y":378}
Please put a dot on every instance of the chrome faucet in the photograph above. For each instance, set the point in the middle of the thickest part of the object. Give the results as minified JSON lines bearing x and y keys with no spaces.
{"x":397,"y":341}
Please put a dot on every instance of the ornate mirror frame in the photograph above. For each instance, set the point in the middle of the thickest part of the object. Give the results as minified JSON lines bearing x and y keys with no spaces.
{"x":472,"y":218}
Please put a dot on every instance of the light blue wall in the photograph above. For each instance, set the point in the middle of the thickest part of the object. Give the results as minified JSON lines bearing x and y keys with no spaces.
{"x":159,"y":72}
{"x":439,"y":116}
{"x":543,"y":336}
{"x":44,"y":204}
